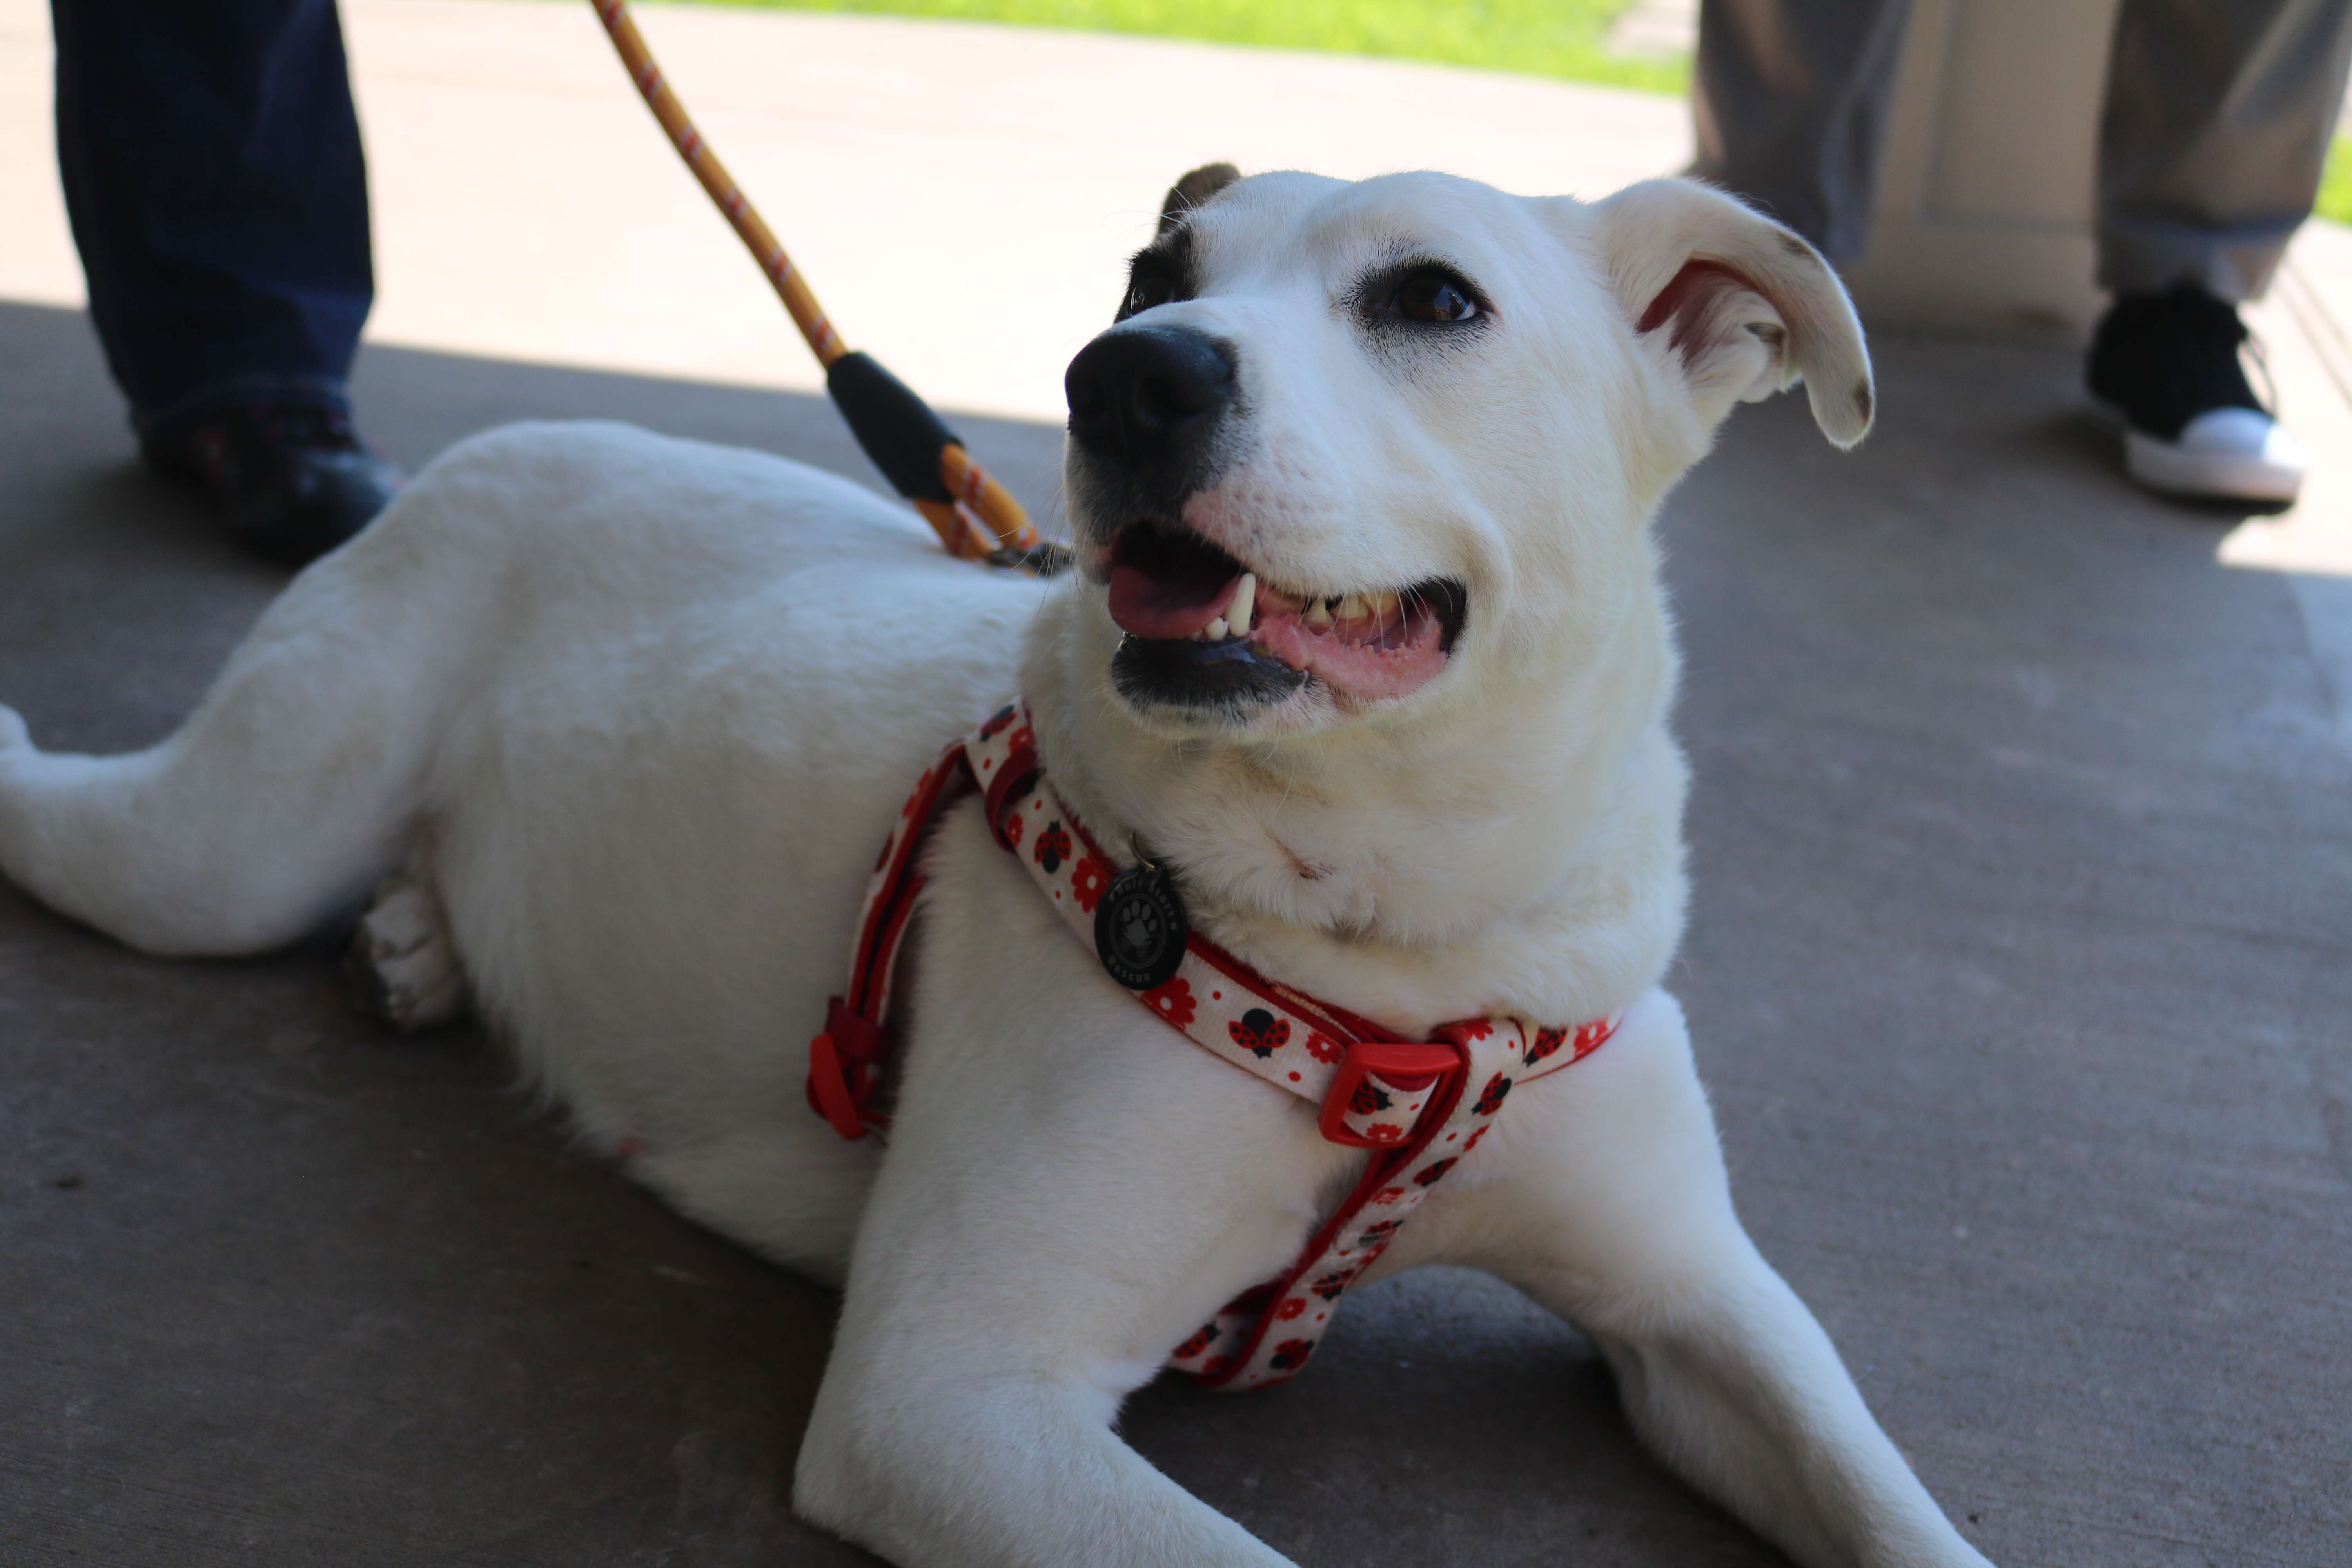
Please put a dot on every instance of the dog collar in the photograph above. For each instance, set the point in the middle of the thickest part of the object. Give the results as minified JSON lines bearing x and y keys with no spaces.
{"x":1413,"y":1103}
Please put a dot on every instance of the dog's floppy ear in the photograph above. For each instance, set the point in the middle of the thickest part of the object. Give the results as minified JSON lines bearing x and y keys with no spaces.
{"x":1746,"y":305}
{"x":1195,"y":190}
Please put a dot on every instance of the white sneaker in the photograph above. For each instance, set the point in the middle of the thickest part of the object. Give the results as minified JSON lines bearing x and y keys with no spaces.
{"x":2166,"y":368}
{"x":2226,"y":454}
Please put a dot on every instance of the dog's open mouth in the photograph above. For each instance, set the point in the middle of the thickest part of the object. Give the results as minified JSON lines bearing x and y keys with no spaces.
{"x":1203,"y":629}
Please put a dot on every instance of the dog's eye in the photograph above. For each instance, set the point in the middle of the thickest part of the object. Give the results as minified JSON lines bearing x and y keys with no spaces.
{"x":1430,"y":295}
{"x":1144,"y":290}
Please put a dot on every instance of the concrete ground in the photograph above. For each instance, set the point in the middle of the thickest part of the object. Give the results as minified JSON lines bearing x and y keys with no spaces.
{"x":2020,"y":961}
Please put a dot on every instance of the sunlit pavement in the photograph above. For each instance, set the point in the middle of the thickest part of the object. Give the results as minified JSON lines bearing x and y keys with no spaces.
{"x":2019,"y":963}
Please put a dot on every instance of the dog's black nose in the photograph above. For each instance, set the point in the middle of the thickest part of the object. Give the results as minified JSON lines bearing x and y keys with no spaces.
{"x":1143,"y":393}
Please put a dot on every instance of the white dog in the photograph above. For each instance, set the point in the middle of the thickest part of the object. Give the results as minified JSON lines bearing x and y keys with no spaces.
{"x":1368,"y":654}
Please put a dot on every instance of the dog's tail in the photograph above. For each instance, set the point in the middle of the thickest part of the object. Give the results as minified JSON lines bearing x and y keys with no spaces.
{"x":297,"y":781}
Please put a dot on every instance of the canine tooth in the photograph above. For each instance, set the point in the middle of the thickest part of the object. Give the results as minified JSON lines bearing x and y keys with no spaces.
{"x":1349,"y":608}
{"x":1384,"y":602}
{"x":1318,"y":615}
{"x":1217,"y":628}
{"x":1237,"y":614}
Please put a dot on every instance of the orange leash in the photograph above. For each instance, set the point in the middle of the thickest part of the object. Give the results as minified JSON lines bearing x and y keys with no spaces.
{"x":975,"y":517}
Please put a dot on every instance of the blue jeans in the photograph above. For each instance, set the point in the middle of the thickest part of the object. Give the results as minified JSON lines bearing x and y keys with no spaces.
{"x":213,"y":172}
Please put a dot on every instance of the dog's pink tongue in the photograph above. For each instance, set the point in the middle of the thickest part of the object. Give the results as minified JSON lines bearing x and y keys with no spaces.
{"x":1167,"y":607}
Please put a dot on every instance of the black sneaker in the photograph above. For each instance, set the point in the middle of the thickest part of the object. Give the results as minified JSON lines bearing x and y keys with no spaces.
{"x":2166,"y":368}
{"x":292,"y":482}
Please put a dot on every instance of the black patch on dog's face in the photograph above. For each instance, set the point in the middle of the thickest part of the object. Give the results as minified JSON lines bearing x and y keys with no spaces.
{"x":1162,"y":273}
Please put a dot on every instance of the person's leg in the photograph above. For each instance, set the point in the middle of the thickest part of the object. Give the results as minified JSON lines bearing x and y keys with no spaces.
{"x":1790,"y":98}
{"x":212,"y":168}
{"x":2216,"y":122}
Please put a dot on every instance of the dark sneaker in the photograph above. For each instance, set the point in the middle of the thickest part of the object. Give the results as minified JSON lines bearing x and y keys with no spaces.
{"x":291,"y":482}
{"x":2165,"y":366}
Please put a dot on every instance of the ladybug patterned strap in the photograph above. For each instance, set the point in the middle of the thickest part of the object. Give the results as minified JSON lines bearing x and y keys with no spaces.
{"x":1418,"y":1106}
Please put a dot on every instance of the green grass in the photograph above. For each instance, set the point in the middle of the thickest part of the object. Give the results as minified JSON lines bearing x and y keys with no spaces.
{"x":1538,"y":37}
{"x":2335,"y":185}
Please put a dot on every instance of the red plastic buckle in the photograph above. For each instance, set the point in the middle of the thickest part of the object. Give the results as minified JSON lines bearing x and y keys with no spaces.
{"x":841,"y":1075}
{"x":829,"y":1092}
{"x":1393,"y":1060}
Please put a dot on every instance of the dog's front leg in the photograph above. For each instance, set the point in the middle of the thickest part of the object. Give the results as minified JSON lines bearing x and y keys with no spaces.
{"x":1071,"y":1189}
{"x":1606,"y":1199}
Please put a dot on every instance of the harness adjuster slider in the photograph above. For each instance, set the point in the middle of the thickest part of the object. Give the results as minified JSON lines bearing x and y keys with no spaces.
{"x":1403,"y":1064}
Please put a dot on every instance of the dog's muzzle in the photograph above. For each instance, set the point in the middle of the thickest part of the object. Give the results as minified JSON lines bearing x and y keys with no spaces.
{"x":1155,"y":413}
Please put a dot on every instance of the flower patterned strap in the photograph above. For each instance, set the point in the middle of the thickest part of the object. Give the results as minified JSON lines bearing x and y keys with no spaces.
{"x":1419,"y":1106}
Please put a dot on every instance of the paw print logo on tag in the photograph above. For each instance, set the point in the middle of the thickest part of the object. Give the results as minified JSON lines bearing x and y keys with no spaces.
{"x":1141,"y":929}
{"x":1260,"y":1032}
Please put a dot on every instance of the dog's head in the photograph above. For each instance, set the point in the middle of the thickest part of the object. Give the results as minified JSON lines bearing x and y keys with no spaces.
{"x":1346,"y":445}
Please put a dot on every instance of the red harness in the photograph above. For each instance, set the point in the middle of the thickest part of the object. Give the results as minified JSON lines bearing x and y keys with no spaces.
{"x":1410,"y":1102}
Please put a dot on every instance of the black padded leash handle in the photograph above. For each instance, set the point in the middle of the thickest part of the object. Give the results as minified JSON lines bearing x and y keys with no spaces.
{"x":894,"y":426}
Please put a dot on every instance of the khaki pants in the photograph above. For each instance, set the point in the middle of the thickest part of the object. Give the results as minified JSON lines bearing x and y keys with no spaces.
{"x":2216,"y":122}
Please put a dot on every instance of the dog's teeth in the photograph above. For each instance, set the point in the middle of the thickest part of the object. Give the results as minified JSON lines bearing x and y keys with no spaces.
{"x":1384,"y":602}
{"x":1348,"y":608}
{"x":1237,"y":614}
{"x":1216,"y":632}
{"x":1318,"y":615}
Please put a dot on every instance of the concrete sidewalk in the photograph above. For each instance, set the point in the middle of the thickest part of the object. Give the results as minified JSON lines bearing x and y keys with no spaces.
{"x":2020,"y":963}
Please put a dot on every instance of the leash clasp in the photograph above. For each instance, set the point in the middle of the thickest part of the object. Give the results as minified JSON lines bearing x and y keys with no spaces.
{"x":1402,"y":1064}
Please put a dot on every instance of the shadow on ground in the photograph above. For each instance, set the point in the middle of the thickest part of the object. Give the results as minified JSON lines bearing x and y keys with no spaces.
{"x":2018,"y":966}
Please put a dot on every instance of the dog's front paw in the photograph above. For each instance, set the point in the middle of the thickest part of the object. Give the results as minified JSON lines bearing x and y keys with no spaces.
{"x":13,"y":732}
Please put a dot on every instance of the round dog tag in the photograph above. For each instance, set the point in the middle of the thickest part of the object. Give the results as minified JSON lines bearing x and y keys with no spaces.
{"x":1141,"y":928}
